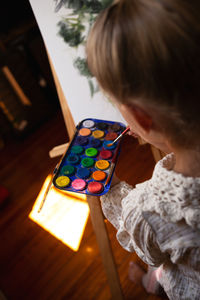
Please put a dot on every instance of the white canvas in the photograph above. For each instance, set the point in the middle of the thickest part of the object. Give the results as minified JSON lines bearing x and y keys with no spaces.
{"x":75,"y":86}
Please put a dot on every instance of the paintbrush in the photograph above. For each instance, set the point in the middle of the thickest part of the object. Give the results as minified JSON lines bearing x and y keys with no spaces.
{"x":45,"y":195}
{"x":119,"y":137}
{"x":112,"y":165}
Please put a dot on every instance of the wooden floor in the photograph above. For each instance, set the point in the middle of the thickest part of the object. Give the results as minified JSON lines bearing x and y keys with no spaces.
{"x":35,"y":265}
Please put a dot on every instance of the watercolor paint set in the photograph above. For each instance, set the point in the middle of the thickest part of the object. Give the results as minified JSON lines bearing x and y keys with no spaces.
{"x":89,"y":162}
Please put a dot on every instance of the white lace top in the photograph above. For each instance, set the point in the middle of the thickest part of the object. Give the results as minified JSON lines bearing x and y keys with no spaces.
{"x":160,"y":220}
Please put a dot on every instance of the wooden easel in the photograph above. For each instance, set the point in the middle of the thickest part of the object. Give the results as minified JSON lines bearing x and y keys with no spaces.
{"x":96,"y":214}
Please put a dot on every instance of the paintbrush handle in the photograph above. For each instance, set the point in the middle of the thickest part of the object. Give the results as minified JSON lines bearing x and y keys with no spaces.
{"x":110,"y":173}
{"x":112,"y":166}
{"x":45,"y":195}
{"x":120,"y":136}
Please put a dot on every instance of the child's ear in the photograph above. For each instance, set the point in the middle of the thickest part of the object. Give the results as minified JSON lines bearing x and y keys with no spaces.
{"x":142,"y":117}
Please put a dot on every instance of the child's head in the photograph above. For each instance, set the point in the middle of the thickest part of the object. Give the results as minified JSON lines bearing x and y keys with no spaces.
{"x":146,"y":54}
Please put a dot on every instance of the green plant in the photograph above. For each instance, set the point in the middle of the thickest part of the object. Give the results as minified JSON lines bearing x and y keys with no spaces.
{"x":73,"y":28}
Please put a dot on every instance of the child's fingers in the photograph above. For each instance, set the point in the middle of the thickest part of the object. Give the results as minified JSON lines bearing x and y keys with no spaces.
{"x":133,"y":134}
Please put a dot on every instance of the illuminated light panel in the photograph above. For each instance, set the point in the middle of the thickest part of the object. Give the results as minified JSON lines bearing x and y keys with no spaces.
{"x":64,"y":214}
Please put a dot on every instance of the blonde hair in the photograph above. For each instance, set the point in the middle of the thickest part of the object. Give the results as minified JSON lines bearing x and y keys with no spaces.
{"x":149,"y":51}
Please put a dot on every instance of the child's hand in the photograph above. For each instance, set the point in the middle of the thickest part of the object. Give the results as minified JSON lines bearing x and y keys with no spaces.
{"x":115,"y":180}
{"x":135,"y":135}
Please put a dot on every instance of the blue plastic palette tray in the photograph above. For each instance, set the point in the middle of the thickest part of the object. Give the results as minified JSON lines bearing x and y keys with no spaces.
{"x":86,"y":164}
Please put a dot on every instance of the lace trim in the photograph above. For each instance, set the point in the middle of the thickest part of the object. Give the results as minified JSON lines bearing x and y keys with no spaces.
{"x":172,"y":195}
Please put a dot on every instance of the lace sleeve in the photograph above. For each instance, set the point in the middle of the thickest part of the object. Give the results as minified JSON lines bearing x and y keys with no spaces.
{"x":135,"y":233}
{"x":111,"y":202}
{"x":122,"y":207}
{"x":179,"y":240}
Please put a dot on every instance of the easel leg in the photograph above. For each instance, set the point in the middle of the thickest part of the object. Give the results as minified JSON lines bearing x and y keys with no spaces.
{"x":100,"y":230}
